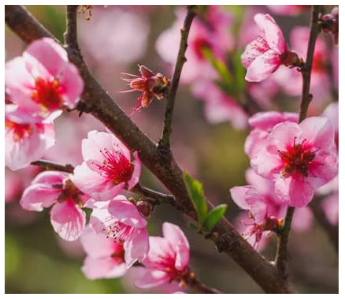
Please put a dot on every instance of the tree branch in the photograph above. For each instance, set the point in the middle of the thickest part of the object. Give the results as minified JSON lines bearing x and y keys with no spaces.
{"x":164,"y":142}
{"x":71,"y":36}
{"x":50,"y":165}
{"x":281,"y":256}
{"x":101,"y":105}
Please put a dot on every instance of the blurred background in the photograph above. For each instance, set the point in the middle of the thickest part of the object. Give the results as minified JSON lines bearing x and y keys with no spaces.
{"x":209,"y":130}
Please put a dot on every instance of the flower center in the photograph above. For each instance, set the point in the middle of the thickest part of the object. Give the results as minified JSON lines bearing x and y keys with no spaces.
{"x":19,"y":130}
{"x":119,"y":252}
{"x":47,"y":94}
{"x":116,"y":166}
{"x":297,"y":159}
{"x":119,"y":231}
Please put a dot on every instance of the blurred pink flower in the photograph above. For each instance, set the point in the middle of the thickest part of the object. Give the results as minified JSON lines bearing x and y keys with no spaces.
{"x":291,"y":81}
{"x":42,"y":80}
{"x":212,"y":32}
{"x":105,"y":257}
{"x":150,"y":84}
{"x":219,"y":107}
{"x":121,"y":221}
{"x":167,"y":259}
{"x":262,"y":124}
{"x":107,"y":168}
{"x":299,"y":158}
{"x":332,"y":113}
{"x":25,"y":141}
{"x":288,"y":9}
{"x":53,"y":188}
{"x":265,"y":54}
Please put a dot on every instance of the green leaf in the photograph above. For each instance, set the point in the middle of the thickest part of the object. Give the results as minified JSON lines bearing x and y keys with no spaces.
{"x":193,"y":226}
{"x":219,"y":65}
{"x":196,"y":193}
{"x":214,"y":216}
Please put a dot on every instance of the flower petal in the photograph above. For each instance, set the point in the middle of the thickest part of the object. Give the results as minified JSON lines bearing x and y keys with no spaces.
{"x":104,"y":267}
{"x":137,"y":247}
{"x":68,"y":220}
{"x":39,"y":196}
{"x":263,"y":66}
{"x":152,"y":278}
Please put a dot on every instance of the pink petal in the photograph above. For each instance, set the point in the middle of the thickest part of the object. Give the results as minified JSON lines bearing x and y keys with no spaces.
{"x":318,"y":131}
{"x":330,"y":205}
{"x":137,"y":247}
{"x":126,"y":212}
{"x":152,"y":278}
{"x":20,"y":83}
{"x":255,"y":142}
{"x":274,"y":35}
{"x":267,"y":120}
{"x":136,"y":172}
{"x":104,"y":267}
{"x":20,"y":153}
{"x":179,"y":243}
{"x":49,"y":54}
{"x":146,"y":72}
{"x":72,"y":85}
{"x":50,"y":178}
{"x":256,"y":48}
{"x":99,"y":141}
{"x":263,"y":66}
{"x":296,"y":191}
{"x":96,"y":245}
{"x":68,"y":220}
{"x":160,"y":249}
{"x":238,"y":195}
{"x":283,"y":136}
{"x":323,"y":168}
{"x":93,"y":184}
{"x":266,"y":165}
{"x":39,"y":196}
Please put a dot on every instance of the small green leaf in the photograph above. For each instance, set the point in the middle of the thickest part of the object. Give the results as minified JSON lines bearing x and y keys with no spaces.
{"x":193,"y":226}
{"x":196,"y":193}
{"x":214,"y":216}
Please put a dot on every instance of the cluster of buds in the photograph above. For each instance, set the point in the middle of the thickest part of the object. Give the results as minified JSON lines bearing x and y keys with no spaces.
{"x":330,"y":23}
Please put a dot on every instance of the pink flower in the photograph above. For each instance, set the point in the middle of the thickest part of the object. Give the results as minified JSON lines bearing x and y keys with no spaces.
{"x":42,"y":80}
{"x":265,"y":54}
{"x":266,"y":210}
{"x":168,"y":258}
{"x":332,"y":113}
{"x":262,"y":123}
{"x":107,"y":168}
{"x":122,"y":222}
{"x":212,"y":33}
{"x":105,"y":257}
{"x":299,"y":158}
{"x":150,"y":84}
{"x":25,"y":141}
{"x":53,"y":188}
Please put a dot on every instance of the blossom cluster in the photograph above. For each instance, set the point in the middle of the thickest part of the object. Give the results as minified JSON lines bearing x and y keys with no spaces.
{"x":291,"y":161}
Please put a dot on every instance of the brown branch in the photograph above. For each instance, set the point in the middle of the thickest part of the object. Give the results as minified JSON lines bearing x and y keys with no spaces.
{"x":331,"y":230}
{"x":49,"y":165}
{"x":164,"y":142}
{"x":71,"y":36}
{"x":158,"y":197}
{"x":102,"y":106}
{"x":282,"y":254}
{"x":198,"y":286}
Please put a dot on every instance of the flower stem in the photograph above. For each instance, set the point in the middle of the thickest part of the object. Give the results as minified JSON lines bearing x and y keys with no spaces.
{"x":49,"y":165}
{"x":164,"y":142}
{"x":192,"y":282}
{"x":281,"y":255}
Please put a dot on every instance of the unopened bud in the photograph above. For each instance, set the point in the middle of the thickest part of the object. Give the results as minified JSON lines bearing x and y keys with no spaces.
{"x":145,"y":208}
{"x":291,"y":59}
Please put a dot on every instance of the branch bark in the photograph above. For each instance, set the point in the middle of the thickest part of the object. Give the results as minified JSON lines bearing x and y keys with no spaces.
{"x":282,"y":250}
{"x":97,"y":102}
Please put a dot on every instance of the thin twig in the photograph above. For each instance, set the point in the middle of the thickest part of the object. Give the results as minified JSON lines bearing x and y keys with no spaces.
{"x":282,"y":254}
{"x":50,"y":165}
{"x":103,"y":107}
{"x":158,"y":197}
{"x":164,"y":142}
